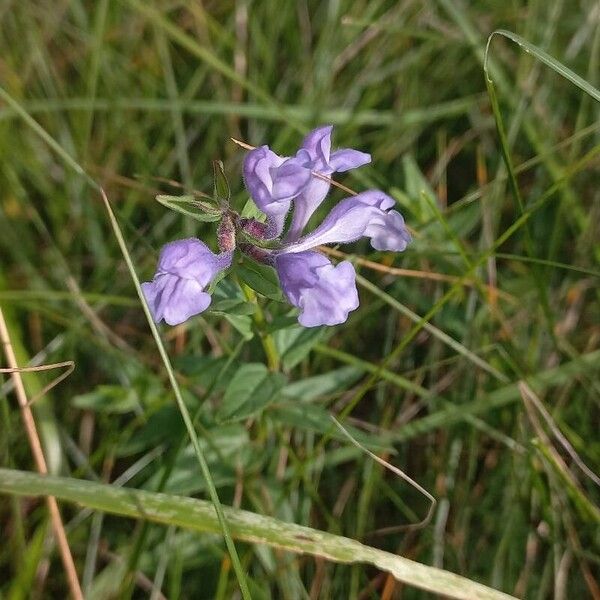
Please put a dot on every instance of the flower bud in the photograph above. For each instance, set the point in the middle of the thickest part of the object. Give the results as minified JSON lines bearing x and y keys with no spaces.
{"x":254,"y":228}
{"x":226,"y":234}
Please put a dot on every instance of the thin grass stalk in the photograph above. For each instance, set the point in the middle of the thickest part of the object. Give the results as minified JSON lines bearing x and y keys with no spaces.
{"x":40,"y":461}
{"x":514,"y":186}
{"x":237,"y":567}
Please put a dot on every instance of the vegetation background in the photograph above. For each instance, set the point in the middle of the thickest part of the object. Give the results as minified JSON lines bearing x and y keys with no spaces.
{"x":495,"y":290}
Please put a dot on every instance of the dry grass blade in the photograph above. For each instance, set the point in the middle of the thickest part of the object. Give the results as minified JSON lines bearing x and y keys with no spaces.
{"x":68,"y":365}
{"x":530,"y":397}
{"x":432,"y":275}
{"x":243,"y":144}
{"x":38,"y":454}
{"x":397,"y":472}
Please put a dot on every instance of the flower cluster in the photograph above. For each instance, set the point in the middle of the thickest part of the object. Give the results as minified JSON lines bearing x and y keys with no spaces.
{"x":324,"y":293}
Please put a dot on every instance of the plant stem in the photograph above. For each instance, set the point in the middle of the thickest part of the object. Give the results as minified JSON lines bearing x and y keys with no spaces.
{"x":266,"y":339}
{"x":40,"y":460}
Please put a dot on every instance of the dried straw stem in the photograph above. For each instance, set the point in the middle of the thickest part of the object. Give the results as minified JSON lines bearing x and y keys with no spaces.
{"x":40,"y":461}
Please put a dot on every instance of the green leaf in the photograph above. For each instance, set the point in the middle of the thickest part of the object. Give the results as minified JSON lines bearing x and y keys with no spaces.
{"x":311,"y":388}
{"x":261,"y":278}
{"x":190,"y":207}
{"x":204,"y":370}
{"x":281,"y":322}
{"x":227,"y":294}
{"x":295,"y":343}
{"x":199,"y":515}
{"x":416,"y":183}
{"x":251,"y":211}
{"x":162,"y":427}
{"x":252,"y":388}
{"x":110,"y":399}
{"x":233,"y":306}
{"x":228,"y":298}
{"x":243,"y":323}
{"x":221,"y":185}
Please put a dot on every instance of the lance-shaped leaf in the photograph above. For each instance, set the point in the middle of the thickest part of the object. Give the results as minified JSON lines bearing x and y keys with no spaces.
{"x":221,"y":185}
{"x":190,"y":207}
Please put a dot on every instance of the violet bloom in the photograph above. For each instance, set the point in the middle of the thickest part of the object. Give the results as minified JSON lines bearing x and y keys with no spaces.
{"x":185,"y":269}
{"x":275,"y":182}
{"x":367,"y":214}
{"x":317,"y":145}
{"x":326,"y":294}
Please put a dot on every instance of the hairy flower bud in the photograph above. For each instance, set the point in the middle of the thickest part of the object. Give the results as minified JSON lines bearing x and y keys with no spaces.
{"x":254,"y":228}
{"x":226,"y":234}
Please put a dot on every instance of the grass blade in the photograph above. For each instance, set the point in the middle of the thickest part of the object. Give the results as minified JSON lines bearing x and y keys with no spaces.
{"x":199,"y":515}
{"x":544,"y":57}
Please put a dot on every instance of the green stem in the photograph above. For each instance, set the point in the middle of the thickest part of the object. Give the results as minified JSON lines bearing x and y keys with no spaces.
{"x":212,"y":490}
{"x":266,"y":339}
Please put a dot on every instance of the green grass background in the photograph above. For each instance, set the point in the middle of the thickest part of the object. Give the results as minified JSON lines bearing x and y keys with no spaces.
{"x":139,"y":90}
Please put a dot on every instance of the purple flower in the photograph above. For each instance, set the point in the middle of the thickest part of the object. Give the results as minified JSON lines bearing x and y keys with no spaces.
{"x":274,"y":182}
{"x":367,"y":214}
{"x":185,"y":269}
{"x":317,"y":145}
{"x":326,"y":294}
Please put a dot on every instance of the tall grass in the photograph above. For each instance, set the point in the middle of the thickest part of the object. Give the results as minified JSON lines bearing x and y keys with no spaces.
{"x":491,"y":311}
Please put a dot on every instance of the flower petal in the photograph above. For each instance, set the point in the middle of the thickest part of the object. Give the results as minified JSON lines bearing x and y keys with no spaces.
{"x":151,"y":293}
{"x":346,"y":159}
{"x":305,"y":205}
{"x":324,"y":294}
{"x":175,"y":299}
{"x":388,"y":232}
{"x":192,"y":259}
{"x":365,"y":214}
{"x":291,"y":177}
{"x":318,"y":146}
{"x":185,"y":268}
{"x":273,"y":181}
{"x":257,"y":173}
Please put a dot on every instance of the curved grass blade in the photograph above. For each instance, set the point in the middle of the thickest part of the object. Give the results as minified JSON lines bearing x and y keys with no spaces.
{"x":199,"y":515}
{"x":571,"y":76}
{"x":544,"y":57}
